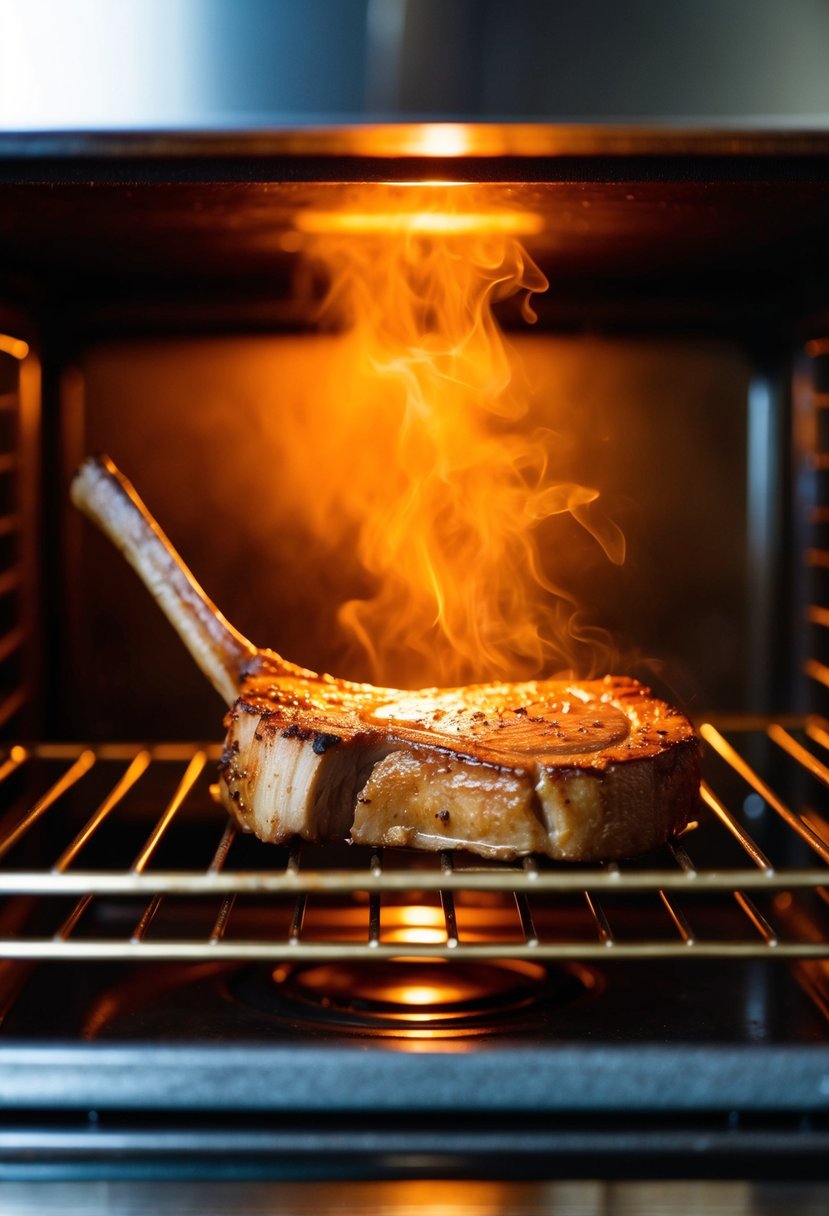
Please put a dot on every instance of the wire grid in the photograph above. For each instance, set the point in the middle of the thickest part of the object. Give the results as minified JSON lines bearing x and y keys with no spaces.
{"x":522,"y":884}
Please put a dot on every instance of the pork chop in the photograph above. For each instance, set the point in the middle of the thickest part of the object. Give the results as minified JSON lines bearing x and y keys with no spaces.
{"x":577,"y":770}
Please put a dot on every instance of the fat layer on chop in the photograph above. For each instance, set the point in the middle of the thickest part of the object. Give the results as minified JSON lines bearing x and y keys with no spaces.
{"x":577,"y":771}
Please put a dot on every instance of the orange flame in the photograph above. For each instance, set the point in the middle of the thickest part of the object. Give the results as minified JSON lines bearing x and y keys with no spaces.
{"x":429,"y":457}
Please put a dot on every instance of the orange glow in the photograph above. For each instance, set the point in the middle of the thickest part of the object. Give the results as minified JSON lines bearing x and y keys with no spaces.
{"x":15,"y":347}
{"x":440,"y":139}
{"x":437,"y":223}
{"x":416,"y":925}
{"x":423,"y":460}
{"x":417,"y":936}
{"x":413,"y":994}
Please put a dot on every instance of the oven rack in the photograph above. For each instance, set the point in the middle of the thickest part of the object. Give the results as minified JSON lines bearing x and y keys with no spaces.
{"x":380,"y":881}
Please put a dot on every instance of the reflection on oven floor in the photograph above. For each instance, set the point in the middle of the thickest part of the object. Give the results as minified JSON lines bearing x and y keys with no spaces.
{"x":749,"y":1003}
{"x":420,"y":1198}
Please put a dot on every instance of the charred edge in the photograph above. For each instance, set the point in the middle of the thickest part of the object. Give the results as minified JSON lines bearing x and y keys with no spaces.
{"x":324,"y":741}
{"x":228,"y":755}
{"x":295,"y":731}
{"x":269,"y":724}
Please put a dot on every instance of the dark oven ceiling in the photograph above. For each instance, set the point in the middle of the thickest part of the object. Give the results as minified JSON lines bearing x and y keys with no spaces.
{"x":714,"y":224}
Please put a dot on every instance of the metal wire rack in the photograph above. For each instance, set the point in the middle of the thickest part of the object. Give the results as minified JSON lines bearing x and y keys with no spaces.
{"x":72,"y":811}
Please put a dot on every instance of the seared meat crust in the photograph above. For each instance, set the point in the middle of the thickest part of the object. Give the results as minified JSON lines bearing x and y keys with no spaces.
{"x":584,"y":771}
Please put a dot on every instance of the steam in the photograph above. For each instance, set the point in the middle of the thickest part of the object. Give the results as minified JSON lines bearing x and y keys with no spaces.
{"x":429,"y":460}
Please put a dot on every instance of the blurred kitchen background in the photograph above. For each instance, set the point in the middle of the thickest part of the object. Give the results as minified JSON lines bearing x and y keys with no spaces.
{"x":74,"y":64}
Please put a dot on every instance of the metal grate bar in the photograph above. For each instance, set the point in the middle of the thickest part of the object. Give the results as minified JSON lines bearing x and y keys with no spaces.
{"x":17,"y":756}
{"x":215,"y":867}
{"x":220,"y":926}
{"x":817,"y":671}
{"x":757,"y":856}
{"x":147,"y":917}
{"x":301,"y":901}
{"x":301,"y":951}
{"x":376,"y":867}
{"x":798,"y":752}
{"x":713,"y":736}
{"x":737,"y":831}
{"x":680,"y":856}
{"x":530,"y":867}
{"x":526,"y":917}
{"x":298,"y":919}
{"x":189,"y":779}
{"x":817,"y":731}
{"x":73,"y":918}
{"x":447,"y":903}
{"x":817,"y":823}
{"x":191,"y":774}
{"x":757,"y":919}
{"x":678,"y":917}
{"x":342,"y":882}
{"x":11,"y":643}
{"x":223,"y":848}
{"x":81,"y":766}
{"x":602,"y":923}
{"x":374,"y":919}
{"x":679,"y":920}
{"x":138,"y":766}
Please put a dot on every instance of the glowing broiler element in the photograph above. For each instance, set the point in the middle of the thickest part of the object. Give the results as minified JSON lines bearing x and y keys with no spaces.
{"x":425,"y":455}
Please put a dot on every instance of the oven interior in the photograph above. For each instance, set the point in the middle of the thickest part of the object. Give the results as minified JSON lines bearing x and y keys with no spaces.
{"x":164,"y":976}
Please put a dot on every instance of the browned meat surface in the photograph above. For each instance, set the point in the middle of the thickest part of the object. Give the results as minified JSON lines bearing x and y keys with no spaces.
{"x":579,"y":771}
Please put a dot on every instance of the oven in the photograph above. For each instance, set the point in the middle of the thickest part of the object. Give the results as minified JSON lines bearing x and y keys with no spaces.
{"x":180,"y":1000}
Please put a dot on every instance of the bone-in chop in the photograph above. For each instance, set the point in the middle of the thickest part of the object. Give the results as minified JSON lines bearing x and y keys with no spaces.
{"x":577,"y":770}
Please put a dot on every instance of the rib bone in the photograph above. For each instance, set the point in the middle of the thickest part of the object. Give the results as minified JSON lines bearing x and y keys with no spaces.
{"x":103,"y":493}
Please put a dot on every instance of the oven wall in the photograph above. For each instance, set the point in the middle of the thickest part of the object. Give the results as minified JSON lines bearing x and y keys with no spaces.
{"x":660,"y":426}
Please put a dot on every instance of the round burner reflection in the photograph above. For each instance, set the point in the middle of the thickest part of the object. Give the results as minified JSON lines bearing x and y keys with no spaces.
{"x":431,"y":998}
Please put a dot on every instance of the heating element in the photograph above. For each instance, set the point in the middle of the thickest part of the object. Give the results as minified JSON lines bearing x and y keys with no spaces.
{"x":113,"y":822}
